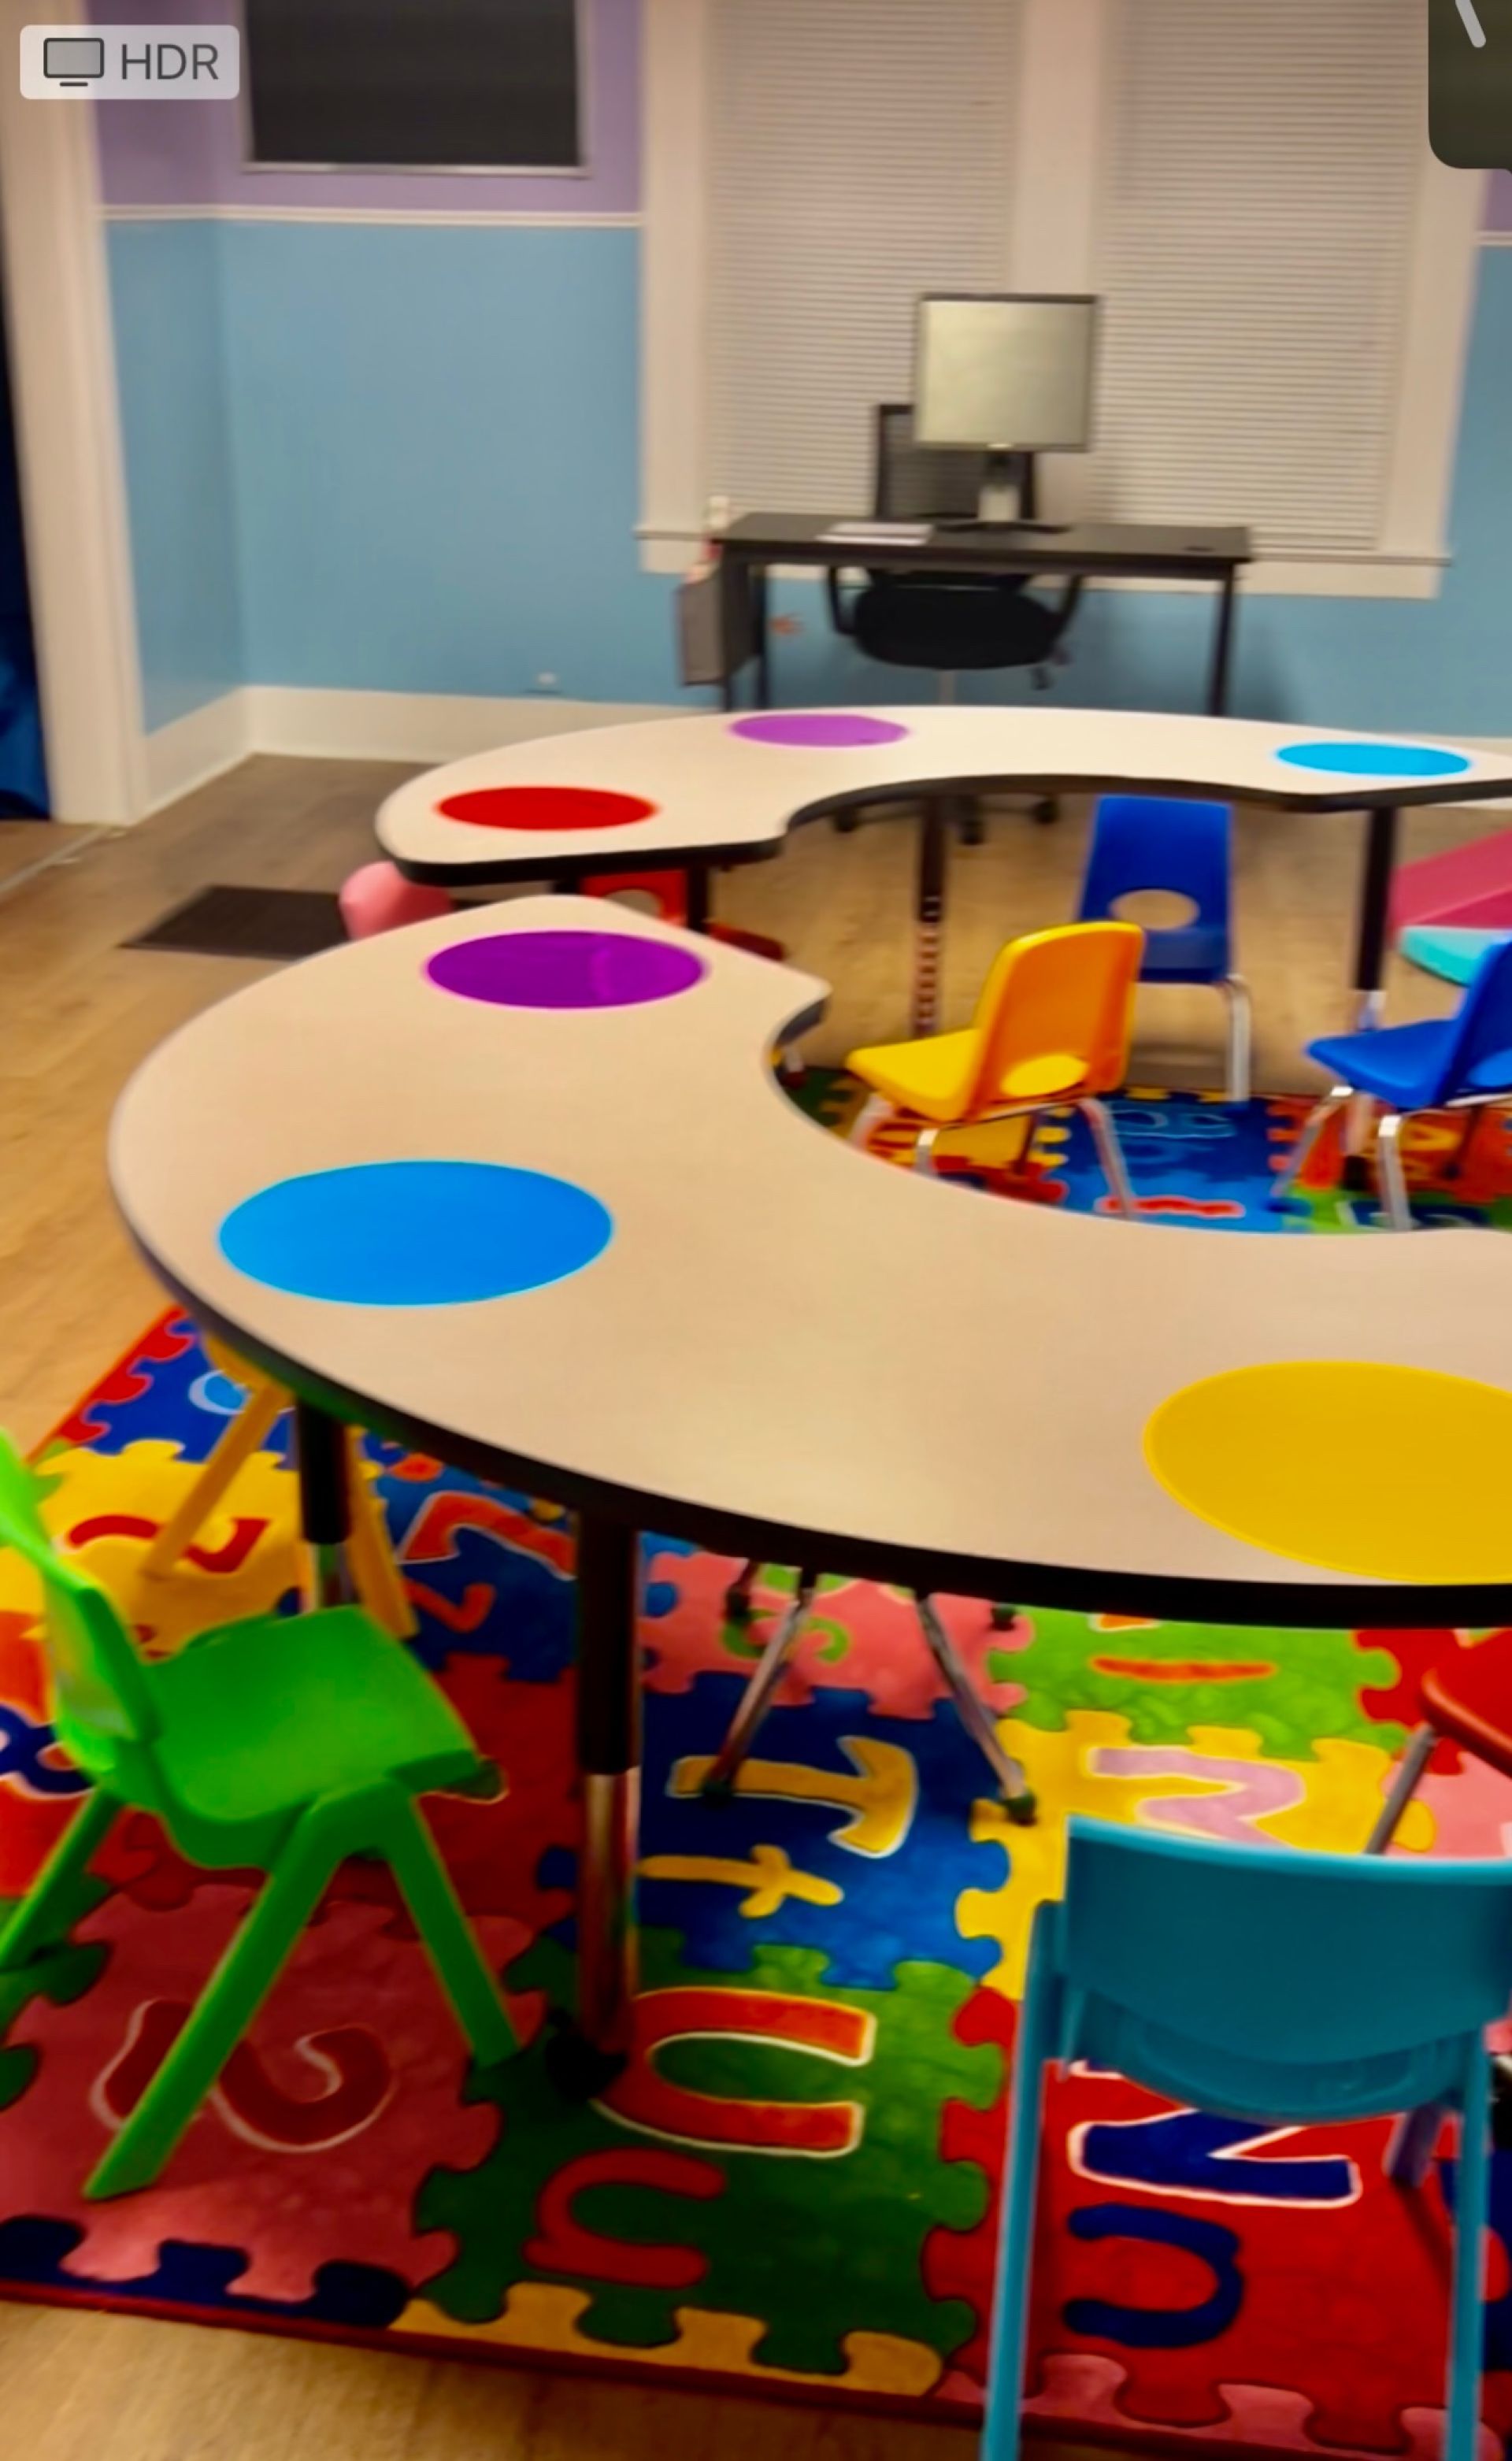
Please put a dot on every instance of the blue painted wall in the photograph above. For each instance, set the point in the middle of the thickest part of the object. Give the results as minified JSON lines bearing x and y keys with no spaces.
{"x":167,"y":296}
{"x":429,"y":438}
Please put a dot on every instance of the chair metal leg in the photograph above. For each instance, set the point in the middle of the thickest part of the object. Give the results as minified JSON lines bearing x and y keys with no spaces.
{"x":1012,"y":1782}
{"x":923,"y":1151}
{"x":1312,"y":1127}
{"x":1110,"y":1153}
{"x":758,"y":1697}
{"x":1472,"y":2218}
{"x":1393,"y":1178}
{"x":873,"y":1111}
{"x":1241,"y":1037}
{"x":1404,"y":1786}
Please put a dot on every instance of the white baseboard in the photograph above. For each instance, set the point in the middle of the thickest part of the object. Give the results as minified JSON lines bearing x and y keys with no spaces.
{"x":195,"y":749}
{"x":415,"y":726}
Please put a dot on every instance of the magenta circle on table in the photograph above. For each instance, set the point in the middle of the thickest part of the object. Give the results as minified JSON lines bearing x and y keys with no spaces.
{"x":819,"y":730}
{"x":565,"y":969}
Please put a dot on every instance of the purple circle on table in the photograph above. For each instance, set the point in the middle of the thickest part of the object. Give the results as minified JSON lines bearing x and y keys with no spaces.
{"x":565,"y":969}
{"x":819,"y":730}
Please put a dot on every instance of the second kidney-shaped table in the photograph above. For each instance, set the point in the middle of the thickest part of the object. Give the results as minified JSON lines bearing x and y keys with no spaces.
{"x":519,"y":1187}
{"x":697,"y":791}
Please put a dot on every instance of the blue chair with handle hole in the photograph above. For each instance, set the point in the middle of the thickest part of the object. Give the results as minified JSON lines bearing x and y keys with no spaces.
{"x":1273,"y":1986}
{"x":1145,"y":843}
{"x":1461,"y":1062}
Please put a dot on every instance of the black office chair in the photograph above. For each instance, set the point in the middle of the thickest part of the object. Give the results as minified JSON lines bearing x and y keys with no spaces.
{"x":948,"y":622}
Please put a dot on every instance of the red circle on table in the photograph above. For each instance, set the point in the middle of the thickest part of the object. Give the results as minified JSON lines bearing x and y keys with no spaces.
{"x":547,"y":807}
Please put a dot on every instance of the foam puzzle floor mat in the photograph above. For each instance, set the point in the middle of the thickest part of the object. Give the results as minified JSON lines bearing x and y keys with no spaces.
{"x":794,"y":2184}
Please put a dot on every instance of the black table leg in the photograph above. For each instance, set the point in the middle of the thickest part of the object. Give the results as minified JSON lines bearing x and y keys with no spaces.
{"x":934,"y":840}
{"x":1375,"y":894}
{"x":325,"y":1502}
{"x":1370,"y":975}
{"x":700,"y":897}
{"x":584,"y":2057}
{"x":762,"y":632}
{"x":735,"y":599}
{"x":1224,"y":646}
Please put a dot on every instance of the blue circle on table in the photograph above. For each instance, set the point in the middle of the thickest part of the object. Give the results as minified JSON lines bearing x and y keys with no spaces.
{"x":1375,"y":760}
{"x":415,"y":1233}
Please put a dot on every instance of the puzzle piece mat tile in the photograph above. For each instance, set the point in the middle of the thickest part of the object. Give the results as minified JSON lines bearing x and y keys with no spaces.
{"x":795,"y":2182}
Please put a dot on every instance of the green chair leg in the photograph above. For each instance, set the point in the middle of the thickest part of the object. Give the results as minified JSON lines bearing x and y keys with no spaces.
{"x":448,"y":1938}
{"x":226,"y":2009}
{"x":56,"y":1899}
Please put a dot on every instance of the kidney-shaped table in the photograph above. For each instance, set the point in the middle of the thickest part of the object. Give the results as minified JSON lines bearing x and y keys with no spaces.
{"x":698,"y":791}
{"x":519,"y":1187}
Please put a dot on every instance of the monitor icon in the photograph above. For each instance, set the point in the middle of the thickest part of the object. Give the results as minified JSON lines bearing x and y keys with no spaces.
{"x":73,"y":59}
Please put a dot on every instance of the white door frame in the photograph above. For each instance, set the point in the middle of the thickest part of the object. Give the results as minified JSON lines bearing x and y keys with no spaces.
{"x":68,"y":444}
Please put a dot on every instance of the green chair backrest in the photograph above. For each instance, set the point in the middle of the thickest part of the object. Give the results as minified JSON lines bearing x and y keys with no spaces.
{"x":101,"y":1692}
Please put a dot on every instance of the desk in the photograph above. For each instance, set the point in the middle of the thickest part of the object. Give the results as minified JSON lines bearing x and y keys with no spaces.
{"x":1095,"y":550}
{"x":707,"y":792}
{"x":641,"y":1387}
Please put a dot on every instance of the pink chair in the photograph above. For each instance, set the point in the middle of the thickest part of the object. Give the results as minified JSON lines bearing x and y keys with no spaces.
{"x":378,"y":898}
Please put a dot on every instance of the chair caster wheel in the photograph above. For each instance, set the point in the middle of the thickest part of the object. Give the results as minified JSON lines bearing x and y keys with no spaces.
{"x":1004,"y":1618}
{"x":1047,"y":812}
{"x":1022,"y":1810}
{"x":577,"y":2067}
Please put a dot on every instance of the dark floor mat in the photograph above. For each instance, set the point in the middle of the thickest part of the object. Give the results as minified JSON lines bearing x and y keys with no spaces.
{"x":266,"y":923}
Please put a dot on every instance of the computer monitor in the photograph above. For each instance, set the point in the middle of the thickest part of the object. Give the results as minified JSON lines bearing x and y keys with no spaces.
{"x":1005,"y":375}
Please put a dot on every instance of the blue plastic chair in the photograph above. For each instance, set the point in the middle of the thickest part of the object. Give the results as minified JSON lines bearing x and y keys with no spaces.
{"x":1273,"y":1986}
{"x":1142,"y":843}
{"x":1459,"y":1063}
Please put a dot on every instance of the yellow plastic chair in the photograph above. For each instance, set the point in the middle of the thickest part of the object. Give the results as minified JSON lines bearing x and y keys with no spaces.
{"x":1051,"y":1031}
{"x":375,"y":1576}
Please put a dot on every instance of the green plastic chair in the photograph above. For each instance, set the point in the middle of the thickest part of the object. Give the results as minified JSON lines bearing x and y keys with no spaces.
{"x":287,"y":1744}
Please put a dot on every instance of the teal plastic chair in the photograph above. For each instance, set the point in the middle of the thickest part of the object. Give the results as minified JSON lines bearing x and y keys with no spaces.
{"x":1266,"y":1985}
{"x":285,"y":1743}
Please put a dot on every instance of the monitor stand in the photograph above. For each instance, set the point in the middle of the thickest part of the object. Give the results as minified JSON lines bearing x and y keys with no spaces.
{"x":1010,"y":490}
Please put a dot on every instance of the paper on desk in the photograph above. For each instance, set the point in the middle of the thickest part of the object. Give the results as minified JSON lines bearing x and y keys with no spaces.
{"x":878,"y":534}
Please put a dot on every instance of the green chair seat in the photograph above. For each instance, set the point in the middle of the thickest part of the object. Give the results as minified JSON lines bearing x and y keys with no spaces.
{"x":263,"y":1718}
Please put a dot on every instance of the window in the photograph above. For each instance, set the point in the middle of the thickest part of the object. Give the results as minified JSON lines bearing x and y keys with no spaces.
{"x":415,"y":84}
{"x":1263,"y":182}
{"x":860,"y":155}
{"x":1289,"y":273}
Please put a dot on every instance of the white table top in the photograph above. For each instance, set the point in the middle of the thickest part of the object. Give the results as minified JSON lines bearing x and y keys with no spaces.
{"x":788,"y":1347}
{"x":719,"y":795}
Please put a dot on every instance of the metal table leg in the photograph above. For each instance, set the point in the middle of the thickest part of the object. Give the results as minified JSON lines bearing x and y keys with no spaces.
{"x":1370,"y":971}
{"x":1224,"y":646}
{"x":934,"y":838}
{"x":585,"y":2057}
{"x":320,"y":1444}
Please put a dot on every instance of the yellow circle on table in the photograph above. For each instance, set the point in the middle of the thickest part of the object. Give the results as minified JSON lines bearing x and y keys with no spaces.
{"x":1390,"y":1473}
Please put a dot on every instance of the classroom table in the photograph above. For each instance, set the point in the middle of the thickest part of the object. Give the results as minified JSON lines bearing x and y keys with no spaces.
{"x":1186,"y":551}
{"x":708,"y":790}
{"x":992,"y":1376}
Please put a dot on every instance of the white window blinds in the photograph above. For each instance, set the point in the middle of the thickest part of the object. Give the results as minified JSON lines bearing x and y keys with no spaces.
{"x":1263,"y":177}
{"x":860,"y":154}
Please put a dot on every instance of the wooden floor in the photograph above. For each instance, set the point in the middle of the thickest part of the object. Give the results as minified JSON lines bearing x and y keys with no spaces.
{"x":77,"y":1012}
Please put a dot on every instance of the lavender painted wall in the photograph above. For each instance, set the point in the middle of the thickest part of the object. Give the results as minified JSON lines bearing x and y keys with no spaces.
{"x":178,"y":153}
{"x":1499,"y":209}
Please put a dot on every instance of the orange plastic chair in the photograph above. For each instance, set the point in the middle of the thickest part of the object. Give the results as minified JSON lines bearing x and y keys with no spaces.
{"x":375,"y":1576}
{"x":1051,"y":1031}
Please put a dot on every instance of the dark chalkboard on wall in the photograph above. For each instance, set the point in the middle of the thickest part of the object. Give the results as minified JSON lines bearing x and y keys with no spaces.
{"x":415,"y":84}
